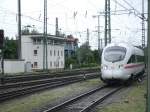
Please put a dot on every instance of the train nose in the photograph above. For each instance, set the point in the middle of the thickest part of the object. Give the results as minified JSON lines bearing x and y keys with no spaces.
{"x":115,"y":74}
{"x":107,"y":74}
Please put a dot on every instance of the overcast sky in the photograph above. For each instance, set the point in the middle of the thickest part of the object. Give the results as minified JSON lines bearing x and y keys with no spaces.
{"x":128,"y":26}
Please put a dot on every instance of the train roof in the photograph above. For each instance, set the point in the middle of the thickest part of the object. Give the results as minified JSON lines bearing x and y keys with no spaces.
{"x":129,"y":46}
{"x":119,"y":44}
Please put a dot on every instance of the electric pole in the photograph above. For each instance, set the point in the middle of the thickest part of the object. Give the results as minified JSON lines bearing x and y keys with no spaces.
{"x":107,"y":22}
{"x":143,"y":25}
{"x":148,"y":67}
{"x":99,"y":37}
{"x":98,"y":33}
{"x":101,"y":44}
{"x":88,"y":34}
{"x":19,"y":29}
{"x":45,"y":64}
{"x":98,"y":30}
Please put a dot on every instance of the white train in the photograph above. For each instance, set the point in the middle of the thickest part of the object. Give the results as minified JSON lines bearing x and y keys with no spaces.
{"x":121,"y":62}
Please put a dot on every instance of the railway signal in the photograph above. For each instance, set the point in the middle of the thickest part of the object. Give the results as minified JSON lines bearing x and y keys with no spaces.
{"x":1,"y":55}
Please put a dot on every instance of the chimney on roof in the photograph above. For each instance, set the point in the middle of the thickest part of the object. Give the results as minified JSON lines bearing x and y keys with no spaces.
{"x":57,"y":32}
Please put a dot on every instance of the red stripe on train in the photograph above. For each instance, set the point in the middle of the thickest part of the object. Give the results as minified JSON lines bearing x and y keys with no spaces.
{"x":133,"y":65}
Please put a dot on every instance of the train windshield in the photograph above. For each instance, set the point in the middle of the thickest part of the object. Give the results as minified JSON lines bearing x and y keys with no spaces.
{"x":114,"y":54}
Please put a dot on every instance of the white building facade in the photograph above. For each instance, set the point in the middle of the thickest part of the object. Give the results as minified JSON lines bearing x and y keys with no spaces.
{"x":32,"y":51}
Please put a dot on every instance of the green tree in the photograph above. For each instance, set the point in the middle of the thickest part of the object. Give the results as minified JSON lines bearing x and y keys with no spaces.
{"x":10,"y":49}
{"x":97,"y":56}
{"x":71,"y":60}
{"x":85,"y":55}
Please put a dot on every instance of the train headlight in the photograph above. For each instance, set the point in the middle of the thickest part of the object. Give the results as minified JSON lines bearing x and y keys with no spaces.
{"x":105,"y":67}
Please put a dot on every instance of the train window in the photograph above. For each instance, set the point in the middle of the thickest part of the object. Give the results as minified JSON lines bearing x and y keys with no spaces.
{"x":140,"y":58}
{"x":132,"y":59}
{"x":114,"y":54}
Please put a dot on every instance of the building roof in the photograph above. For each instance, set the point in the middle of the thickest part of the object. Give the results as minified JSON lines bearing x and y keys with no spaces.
{"x":53,"y":37}
{"x":70,"y":38}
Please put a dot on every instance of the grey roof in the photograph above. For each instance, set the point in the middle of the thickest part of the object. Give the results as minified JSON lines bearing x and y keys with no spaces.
{"x":53,"y":37}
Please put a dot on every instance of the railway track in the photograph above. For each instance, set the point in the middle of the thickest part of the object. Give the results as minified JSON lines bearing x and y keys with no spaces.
{"x":85,"y":102}
{"x":42,"y":81}
{"x":45,"y":75}
{"x":29,"y":87}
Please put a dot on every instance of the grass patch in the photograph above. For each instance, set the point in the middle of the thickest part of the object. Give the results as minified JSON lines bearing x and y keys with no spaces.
{"x":134,"y":101}
{"x":38,"y":100}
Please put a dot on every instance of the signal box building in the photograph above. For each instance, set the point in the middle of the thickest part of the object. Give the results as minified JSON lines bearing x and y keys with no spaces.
{"x":71,"y":45}
{"x":32,"y":51}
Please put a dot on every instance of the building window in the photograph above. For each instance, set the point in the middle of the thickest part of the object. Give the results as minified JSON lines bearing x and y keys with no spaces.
{"x":61,"y":63}
{"x":35,"y":52}
{"x":54,"y":52}
{"x":50,"y":64}
{"x":54,"y":64}
{"x":49,"y":42}
{"x":61,"y":53}
{"x":50,"y":52}
{"x":58,"y":64}
{"x":35,"y":64}
{"x":34,"y":41}
{"x":38,"y":41}
{"x":58,"y":52}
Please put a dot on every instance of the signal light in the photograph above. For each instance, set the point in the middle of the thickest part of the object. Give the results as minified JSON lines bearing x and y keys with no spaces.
{"x":1,"y":38}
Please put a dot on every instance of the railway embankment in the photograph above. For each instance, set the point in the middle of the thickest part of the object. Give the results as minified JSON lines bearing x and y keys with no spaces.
{"x":41,"y":100}
{"x":131,"y":99}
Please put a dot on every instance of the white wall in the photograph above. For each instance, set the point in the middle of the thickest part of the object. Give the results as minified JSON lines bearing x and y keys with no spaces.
{"x":28,"y":53}
{"x":57,"y":58}
{"x":13,"y":66}
{"x":26,"y":48}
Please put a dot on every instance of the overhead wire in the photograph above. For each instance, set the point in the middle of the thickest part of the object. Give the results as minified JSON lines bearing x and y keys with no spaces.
{"x":30,"y":17}
{"x":92,"y":4}
{"x":130,"y":11}
{"x":131,"y":6}
{"x":120,"y":4}
{"x":138,"y":14}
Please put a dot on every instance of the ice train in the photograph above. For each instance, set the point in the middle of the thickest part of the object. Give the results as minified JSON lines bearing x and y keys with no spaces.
{"x":121,"y":62}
